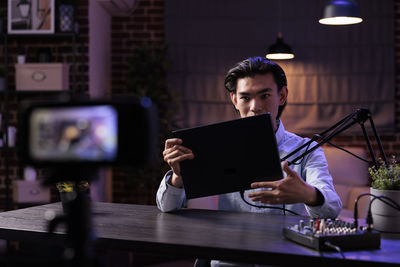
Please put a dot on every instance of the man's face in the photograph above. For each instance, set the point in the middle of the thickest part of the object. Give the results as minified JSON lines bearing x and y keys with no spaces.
{"x":258,"y":95}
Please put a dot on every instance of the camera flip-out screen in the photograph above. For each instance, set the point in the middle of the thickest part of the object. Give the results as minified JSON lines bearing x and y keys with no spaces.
{"x":120,"y":132}
{"x":74,"y":133}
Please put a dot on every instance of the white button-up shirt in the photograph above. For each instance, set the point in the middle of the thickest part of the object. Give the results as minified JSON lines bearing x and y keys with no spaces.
{"x":313,"y":169}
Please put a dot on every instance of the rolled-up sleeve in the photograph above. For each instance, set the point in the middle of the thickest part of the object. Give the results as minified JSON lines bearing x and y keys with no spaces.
{"x":316,"y":173}
{"x":168,"y":197}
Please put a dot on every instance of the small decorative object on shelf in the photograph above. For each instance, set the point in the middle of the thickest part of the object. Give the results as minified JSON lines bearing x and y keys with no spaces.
{"x":385,"y":182}
{"x":30,"y":174}
{"x":66,"y":18}
{"x":21,"y":55}
{"x":12,"y":136}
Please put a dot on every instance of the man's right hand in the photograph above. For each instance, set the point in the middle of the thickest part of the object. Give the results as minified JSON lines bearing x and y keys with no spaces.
{"x":173,"y":154}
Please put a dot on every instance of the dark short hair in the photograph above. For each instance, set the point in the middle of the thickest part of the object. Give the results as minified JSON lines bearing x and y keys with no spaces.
{"x":251,"y":67}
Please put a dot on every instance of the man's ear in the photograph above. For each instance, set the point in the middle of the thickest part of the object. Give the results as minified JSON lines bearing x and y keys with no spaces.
{"x":283,"y":94}
{"x":233,"y":99}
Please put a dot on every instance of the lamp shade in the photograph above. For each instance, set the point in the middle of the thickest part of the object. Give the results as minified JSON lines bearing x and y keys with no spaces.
{"x":280,"y":50}
{"x":341,"y":12}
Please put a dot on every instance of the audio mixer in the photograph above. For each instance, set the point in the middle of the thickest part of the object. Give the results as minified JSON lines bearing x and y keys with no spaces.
{"x":321,"y":234}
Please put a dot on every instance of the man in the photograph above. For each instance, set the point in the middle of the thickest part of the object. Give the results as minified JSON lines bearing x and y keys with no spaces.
{"x":257,"y":86}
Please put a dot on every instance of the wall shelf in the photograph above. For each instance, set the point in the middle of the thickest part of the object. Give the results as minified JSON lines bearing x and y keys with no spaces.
{"x":34,"y":92}
{"x":44,"y":95}
{"x":58,"y":34}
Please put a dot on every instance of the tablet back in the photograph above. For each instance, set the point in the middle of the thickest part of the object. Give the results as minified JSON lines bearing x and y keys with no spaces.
{"x":229,"y":156}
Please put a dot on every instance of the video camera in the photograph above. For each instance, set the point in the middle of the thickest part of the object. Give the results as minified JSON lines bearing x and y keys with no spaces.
{"x":88,"y":133}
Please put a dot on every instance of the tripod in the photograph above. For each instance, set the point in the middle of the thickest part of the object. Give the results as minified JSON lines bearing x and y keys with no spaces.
{"x":77,"y":218}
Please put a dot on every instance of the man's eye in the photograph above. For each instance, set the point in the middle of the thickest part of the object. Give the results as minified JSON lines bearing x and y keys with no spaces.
{"x":264,"y":96}
{"x":245,"y":98}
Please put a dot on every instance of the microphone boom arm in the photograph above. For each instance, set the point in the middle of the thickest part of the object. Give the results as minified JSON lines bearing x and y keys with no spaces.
{"x":359,"y":116}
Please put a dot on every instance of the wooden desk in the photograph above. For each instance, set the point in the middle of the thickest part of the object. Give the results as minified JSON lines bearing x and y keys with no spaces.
{"x":234,"y":236}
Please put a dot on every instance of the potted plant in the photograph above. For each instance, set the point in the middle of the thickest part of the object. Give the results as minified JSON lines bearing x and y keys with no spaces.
{"x":386,"y":182}
{"x":147,"y":76}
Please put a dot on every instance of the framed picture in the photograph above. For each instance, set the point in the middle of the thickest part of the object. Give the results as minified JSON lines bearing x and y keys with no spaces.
{"x":31,"y":16}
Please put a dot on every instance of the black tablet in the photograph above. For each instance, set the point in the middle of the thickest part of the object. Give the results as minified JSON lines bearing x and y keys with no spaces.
{"x":229,"y":156}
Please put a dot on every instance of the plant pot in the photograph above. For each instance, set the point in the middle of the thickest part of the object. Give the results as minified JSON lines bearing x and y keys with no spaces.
{"x":386,"y":219}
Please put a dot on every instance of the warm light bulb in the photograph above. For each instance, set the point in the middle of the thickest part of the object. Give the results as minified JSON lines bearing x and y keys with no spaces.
{"x":280,"y":56}
{"x":340,"y":20}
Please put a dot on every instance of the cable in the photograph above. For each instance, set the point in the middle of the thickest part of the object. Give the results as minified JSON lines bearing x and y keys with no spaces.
{"x":393,"y":204}
{"x":267,"y":207}
{"x":337,"y":248}
{"x":351,"y":153}
{"x":301,"y":160}
{"x":369,"y":219}
{"x":369,"y":216}
{"x":388,"y":201}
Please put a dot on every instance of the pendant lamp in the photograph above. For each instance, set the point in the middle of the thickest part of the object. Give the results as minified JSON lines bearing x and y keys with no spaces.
{"x":280,"y":50}
{"x":341,"y":12}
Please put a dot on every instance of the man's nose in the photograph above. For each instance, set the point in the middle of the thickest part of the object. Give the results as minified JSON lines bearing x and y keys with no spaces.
{"x":255,"y":106}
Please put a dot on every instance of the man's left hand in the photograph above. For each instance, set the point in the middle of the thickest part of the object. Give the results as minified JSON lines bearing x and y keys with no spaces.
{"x":291,"y":189}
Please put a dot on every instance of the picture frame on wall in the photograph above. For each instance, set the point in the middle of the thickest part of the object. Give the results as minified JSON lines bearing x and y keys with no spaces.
{"x":31,"y":16}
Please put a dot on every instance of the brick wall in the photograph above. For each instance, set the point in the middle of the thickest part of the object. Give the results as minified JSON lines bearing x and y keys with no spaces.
{"x":145,"y":25}
{"x":62,"y":51}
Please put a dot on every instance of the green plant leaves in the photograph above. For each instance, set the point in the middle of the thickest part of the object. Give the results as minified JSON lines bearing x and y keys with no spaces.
{"x":386,"y":177}
{"x":147,"y":76}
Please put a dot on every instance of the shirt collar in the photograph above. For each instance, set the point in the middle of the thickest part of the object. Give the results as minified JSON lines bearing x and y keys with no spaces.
{"x":279,"y":135}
